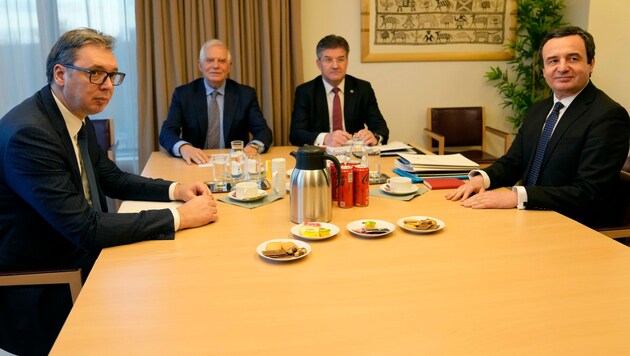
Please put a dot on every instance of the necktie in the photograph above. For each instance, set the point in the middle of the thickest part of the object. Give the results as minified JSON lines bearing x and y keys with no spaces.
{"x":542,"y":143}
{"x":336,"y":112}
{"x":88,"y":170}
{"x":214,"y":118}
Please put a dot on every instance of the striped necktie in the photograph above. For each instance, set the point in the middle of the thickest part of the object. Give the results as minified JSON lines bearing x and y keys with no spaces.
{"x":542,"y":143}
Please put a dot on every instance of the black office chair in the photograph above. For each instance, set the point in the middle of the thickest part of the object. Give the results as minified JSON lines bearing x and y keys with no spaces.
{"x":462,"y":130}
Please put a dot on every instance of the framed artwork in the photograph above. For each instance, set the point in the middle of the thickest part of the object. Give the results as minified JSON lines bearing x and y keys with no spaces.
{"x":436,"y":30}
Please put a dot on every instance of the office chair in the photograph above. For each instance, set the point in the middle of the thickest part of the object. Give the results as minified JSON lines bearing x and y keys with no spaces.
{"x":457,"y":127}
{"x":105,"y":135}
{"x":71,"y":277}
{"x":621,"y":231}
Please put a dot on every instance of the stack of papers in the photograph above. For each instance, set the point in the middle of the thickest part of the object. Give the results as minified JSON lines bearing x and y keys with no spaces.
{"x":452,"y":163}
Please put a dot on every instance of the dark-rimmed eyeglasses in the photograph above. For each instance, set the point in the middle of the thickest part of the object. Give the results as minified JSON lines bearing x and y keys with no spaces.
{"x":99,"y":77}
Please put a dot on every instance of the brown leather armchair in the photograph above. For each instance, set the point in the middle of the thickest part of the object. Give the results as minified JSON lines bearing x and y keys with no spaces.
{"x":71,"y":277}
{"x":462,"y":130}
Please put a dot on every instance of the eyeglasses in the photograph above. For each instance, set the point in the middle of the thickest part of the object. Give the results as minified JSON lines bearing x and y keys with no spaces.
{"x":99,"y":77}
{"x":330,"y":60}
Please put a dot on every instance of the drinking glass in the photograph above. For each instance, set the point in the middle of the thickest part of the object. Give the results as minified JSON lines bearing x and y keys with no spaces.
{"x":220,"y":170}
{"x":374,"y":162}
{"x":255,"y":167}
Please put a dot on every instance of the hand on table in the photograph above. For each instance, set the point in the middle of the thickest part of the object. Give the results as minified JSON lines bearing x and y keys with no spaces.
{"x":337,"y":138}
{"x":474,"y":195}
{"x":186,"y":192}
{"x":368,"y":137}
{"x":198,"y":211}
{"x":192,"y":154}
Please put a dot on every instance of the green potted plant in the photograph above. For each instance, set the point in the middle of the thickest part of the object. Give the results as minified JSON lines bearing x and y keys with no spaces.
{"x":521,"y":84}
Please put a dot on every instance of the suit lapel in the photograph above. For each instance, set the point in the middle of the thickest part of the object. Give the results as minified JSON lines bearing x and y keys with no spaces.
{"x":349,"y":103}
{"x":59,"y":125}
{"x":201,"y":104}
{"x":579,"y":105}
{"x":229,"y":108}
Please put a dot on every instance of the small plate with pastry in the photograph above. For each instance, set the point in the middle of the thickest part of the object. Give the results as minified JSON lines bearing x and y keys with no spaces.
{"x":370,"y":227}
{"x":314,"y":230}
{"x":283,"y":250}
{"x":421,"y":224}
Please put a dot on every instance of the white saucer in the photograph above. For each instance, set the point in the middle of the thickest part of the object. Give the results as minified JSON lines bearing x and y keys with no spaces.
{"x":385,"y":188}
{"x":261,"y":194}
{"x":334,"y":230}
{"x":299,"y":244}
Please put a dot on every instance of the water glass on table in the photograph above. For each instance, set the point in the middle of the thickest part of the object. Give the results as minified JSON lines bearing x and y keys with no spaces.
{"x":374,"y":163}
{"x":255,"y":168}
{"x":220,"y":170}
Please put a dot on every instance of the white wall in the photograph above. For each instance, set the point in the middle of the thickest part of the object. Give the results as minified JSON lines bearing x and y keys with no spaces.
{"x":404,"y":90}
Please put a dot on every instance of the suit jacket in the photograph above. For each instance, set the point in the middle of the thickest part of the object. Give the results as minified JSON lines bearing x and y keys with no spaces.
{"x":580,"y":169}
{"x":46,"y":222}
{"x":188,"y":116}
{"x":311,"y":117}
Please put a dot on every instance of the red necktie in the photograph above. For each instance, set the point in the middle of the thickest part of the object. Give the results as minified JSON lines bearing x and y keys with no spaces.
{"x":336,"y":112}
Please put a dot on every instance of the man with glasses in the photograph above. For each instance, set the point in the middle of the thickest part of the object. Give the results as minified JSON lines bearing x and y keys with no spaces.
{"x":212,"y":111}
{"x":330,"y":108}
{"x":53,"y":184}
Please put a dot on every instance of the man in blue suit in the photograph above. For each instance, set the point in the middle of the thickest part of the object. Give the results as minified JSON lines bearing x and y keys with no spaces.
{"x":316,"y":118}
{"x":185,"y":132}
{"x":52,"y":179}
{"x":577,"y":172}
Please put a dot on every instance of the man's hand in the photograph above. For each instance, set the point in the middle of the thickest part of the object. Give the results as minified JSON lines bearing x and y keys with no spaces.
{"x":186,"y":192}
{"x":192,"y":154}
{"x":492,"y":200}
{"x":473,"y":186}
{"x":249,"y":150}
{"x":368,"y":137}
{"x":337,"y":138}
{"x":198,"y":211}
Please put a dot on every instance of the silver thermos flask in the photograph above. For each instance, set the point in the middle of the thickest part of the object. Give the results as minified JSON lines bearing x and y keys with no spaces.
{"x":310,"y":185}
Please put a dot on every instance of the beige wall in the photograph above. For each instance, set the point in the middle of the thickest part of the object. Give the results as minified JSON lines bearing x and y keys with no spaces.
{"x":405,"y":90}
{"x":607,"y":23}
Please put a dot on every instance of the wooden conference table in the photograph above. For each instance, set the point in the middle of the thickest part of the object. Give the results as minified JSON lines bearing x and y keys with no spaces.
{"x":491,"y":282}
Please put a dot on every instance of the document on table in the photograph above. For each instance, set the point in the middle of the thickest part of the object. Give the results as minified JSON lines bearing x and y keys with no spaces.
{"x":428,"y":163}
{"x":392,"y":147}
{"x":135,"y":206}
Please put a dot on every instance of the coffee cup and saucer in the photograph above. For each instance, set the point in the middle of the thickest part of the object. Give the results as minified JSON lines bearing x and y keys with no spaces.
{"x":399,"y":186}
{"x":247,"y":191}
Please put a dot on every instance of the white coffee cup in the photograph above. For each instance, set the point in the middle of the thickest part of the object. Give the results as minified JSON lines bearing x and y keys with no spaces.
{"x":399,"y":184}
{"x":245,"y":190}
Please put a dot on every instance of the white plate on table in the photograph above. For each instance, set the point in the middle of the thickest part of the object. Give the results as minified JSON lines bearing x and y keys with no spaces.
{"x":380,"y":224}
{"x":401,"y":223}
{"x":334,"y":230}
{"x":261,"y":194}
{"x":385,"y":188}
{"x":300,"y":244}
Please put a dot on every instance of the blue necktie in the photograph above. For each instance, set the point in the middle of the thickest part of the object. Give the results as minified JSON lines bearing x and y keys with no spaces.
{"x":542,"y":143}
{"x":88,"y":169}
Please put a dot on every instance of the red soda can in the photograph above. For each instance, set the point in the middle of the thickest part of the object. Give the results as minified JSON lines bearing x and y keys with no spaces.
{"x":346,"y":188}
{"x":361,"y":185}
{"x":333,"y":181}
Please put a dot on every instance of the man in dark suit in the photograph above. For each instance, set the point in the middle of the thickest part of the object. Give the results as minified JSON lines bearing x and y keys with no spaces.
{"x":318,"y":120}
{"x":190,"y":113}
{"x":576,"y":171}
{"x":53,"y":184}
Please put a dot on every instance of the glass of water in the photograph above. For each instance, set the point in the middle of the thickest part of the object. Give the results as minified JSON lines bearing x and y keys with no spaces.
{"x":255,"y":167}
{"x":220,"y":170}
{"x":374,"y":162}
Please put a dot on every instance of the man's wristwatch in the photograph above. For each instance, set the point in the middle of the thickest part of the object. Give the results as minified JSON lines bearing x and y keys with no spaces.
{"x":255,"y":145}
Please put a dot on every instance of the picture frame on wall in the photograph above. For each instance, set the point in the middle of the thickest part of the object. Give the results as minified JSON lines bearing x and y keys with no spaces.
{"x":436,"y":30}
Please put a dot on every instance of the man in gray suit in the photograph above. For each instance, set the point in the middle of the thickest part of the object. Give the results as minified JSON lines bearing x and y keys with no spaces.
{"x":566,"y":159}
{"x":53,"y":184}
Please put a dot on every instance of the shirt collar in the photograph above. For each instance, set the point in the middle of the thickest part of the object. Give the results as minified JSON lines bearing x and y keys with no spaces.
{"x":569,"y":99}
{"x":73,"y":123}
{"x":329,"y":87}
{"x":210,"y":90}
